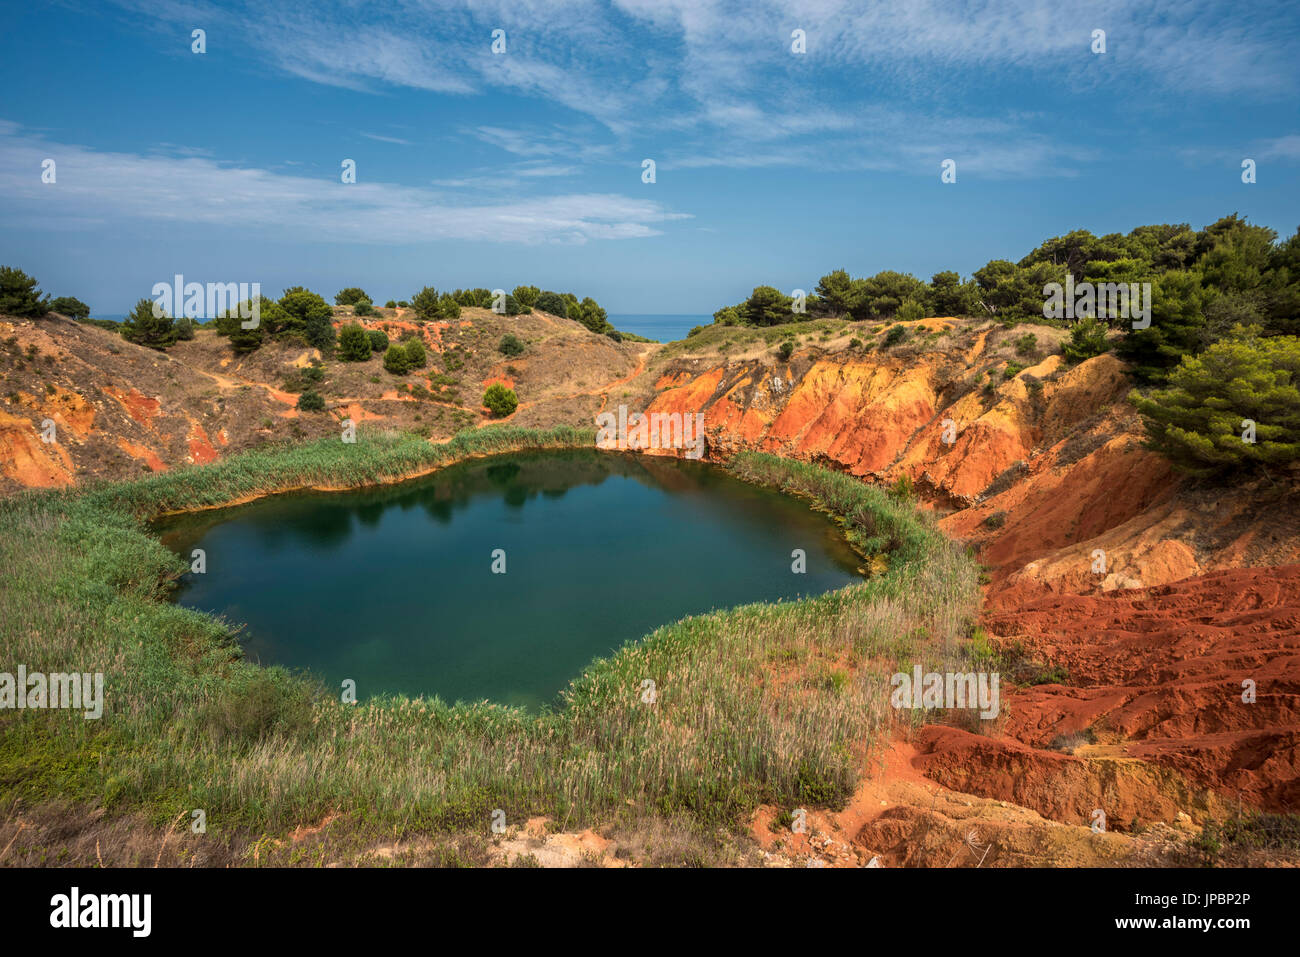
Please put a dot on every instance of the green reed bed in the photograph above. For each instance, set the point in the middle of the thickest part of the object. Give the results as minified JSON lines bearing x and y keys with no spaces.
{"x":761,"y":703}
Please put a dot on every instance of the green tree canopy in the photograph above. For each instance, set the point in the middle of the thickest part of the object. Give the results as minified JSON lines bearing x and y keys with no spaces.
{"x":836,"y":292}
{"x":949,"y":296}
{"x":767,"y":306}
{"x":396,"y":360}
{"x":500,"y":401}
{"x":71,"y":307}
{"x":527,"y":295}
{"x":304,"y":313}
{"x":552,"y":303}
{"x":354,"y":344}
{"x":146,"y":329}
{"x":1177,"y":320}
{"x":19,"y":295}
{"x":1203,"y":418}
{"x":230,"y":324}
{"x":350,"y":296}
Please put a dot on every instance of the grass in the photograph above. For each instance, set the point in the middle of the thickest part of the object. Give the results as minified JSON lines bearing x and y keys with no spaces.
{"x":765,"y":703}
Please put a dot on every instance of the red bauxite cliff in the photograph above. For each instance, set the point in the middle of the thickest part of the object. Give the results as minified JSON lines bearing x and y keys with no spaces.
{"x":1157,"y":595}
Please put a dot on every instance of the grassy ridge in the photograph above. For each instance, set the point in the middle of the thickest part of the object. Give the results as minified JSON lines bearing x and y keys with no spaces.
{"x":766,"y":702}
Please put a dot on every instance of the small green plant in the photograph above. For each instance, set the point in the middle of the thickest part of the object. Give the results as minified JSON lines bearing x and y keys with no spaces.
{"x":500,"y":401}
{"x":311,"y":401}
{"x":910,"y":310}
{"x":1087,"y":340}
{"x":902,"y":490}
{"x":510,"y":345}
{"x":416,"y":357}
{"x":351,"y":296}
{"x":20,"y":296}
{"x":893,"y":337}
{"x":378,"y":340}
{"x":396,"y":360}
{"x":1027,"y":345}
{"x":353,"y":343}
{"x":785,"y":350}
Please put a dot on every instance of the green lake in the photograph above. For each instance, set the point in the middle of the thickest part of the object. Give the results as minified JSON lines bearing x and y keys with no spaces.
{"x":394,"y":587}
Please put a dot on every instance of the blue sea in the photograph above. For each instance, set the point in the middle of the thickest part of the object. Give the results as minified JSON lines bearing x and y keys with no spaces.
{"x":660,"y":328}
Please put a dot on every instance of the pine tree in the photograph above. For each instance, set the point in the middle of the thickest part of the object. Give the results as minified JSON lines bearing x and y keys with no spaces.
{"x":145,"y":328}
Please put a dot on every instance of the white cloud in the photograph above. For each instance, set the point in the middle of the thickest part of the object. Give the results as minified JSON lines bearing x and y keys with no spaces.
{"x":1283,"y":147}
{"x":105,"y":188}
{"x":709,"y":79}
{"x":387,"y":139}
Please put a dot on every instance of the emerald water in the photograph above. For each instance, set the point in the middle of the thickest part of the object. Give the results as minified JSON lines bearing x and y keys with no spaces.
{"x":394,"y":587}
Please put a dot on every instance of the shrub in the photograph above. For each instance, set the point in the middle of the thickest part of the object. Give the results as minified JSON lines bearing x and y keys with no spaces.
{"x":855,"y":343}
{"x":71,"y":307}
{"x":390,"y":304}
{"x":354,"y":343}
{"x":184,"y":329}
{"x":243,"y":340}
{"x":1087,"y":339}
{"x":19,"y":295}
{"x":1198,"y":421}
{"x":766,"y":306}
{"x":425,"y":303}
{"x":448,"y":307}
{"x":1027,"y":345}
{"x":893,"y":337}
{"x":510,"y":345}
{"x":378,"y":340}
{"x":396,"y":361}
{"x":1176,"y":329}
{"x":527,"y":296}
{"x":307,"y":313}
{"x":350,"y":296}
{"x":500,"y":401}
{"x":902,"y":490}
{"x":785,"y":350}
{"x":727,"y":316}
{"x":416,"y":357}
{"x":910,"y":309}
{"x":553,"y":303}
{"x":145,"y":329}
{"x":364,"y":308}
{"x":311,"y":401}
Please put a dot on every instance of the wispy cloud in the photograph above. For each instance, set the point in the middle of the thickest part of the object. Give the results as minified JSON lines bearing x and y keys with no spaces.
{"x":716,"y":78}
{"x":387,"y":139}
{"x":1283,"y":147}
{"x":97,"y":188}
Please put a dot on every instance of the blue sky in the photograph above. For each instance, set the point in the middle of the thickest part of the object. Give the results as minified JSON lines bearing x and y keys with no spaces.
{"x":483,"y":169}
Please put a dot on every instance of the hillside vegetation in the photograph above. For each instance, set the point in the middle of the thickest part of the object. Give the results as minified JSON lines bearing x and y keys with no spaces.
{"x":189,"y":724}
